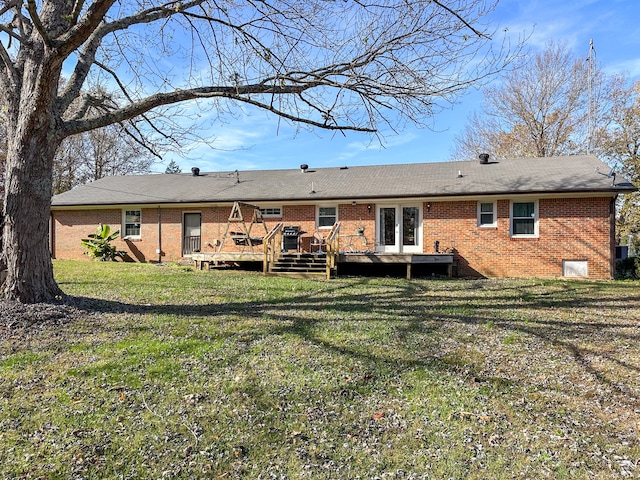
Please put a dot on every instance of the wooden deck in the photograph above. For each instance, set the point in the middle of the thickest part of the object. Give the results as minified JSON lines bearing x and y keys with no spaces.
{"x":206,"y":260}
{"x":408,"y":259}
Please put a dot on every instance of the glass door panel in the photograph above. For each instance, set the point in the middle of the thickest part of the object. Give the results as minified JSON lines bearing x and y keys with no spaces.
{"x":410,"y":226}
{"x":388,"y":226}
{"x":192,"y":236}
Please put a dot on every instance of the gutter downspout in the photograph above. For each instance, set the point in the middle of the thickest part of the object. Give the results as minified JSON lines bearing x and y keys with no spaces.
{"x":159,"y":250}
{"x":612,"y":241}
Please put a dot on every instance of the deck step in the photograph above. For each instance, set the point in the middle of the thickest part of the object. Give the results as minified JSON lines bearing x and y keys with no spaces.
{"x":300,"y":265}
{"x":298,"y":269}
{"x":306,"y":256}
{"x":316,"y":275}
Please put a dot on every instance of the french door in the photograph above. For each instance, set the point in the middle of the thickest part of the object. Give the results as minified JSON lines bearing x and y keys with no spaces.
{"x":399,"y":228}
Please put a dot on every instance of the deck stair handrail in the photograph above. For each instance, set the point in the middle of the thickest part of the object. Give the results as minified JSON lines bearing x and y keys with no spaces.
{"x":272,"y":246}
{"x":333,"y":249}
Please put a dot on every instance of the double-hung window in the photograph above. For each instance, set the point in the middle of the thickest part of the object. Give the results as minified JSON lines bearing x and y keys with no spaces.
{"x":524,"y":219}
{"x":327,"y":216}
{"x":271,"y":212}
{"x":487,"y":214}
{"x":132,"y":220}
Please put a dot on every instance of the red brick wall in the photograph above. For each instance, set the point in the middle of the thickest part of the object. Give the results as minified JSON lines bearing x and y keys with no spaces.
{"x":353,"y":217}
{"x":69,"y":227}
{"x":569,"y":229}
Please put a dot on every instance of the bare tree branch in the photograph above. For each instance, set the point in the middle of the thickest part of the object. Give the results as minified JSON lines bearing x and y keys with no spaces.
{"x":10,"y":80}
{"x":462,"y":19}
{"x":78,"y":34}
{"x":138,"y":138}
{"x":239,"y":93}
{"x":93,"y":41}
{"x":19,"y":21}
{"x":77,"y":9}
{"x":8,"y":5}
{"x":10,"y":31}
{"x":115,"y":77}
{"x":35,"y":18}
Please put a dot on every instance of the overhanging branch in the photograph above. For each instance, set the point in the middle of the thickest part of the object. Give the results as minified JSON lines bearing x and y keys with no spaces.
{"x":239,"y":93}
{"x":138,"y":138}
{"x":459,"y":17}
{"x":91,"y":33}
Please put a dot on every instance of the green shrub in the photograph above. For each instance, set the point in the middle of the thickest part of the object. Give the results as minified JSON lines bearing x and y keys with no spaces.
{"x":99,"y":244}
{"x":628,"y":267}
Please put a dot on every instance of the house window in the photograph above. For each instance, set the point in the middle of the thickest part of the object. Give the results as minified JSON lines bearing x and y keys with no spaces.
{"x":524,"y":219}
{"x":327,"y":216}
{"x":271,"y":212}
{"x":132,"y":222}
{"x":486,"y":214}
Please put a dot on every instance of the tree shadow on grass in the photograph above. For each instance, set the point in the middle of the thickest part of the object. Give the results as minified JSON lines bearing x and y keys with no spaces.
{"x":417,"y":315}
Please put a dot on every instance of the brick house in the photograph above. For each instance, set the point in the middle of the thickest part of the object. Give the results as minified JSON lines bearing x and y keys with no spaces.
{"x":538,"y":217}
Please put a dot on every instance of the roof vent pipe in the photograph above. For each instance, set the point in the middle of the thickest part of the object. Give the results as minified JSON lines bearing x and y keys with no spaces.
{"x":195,"y":171}
{"x":304,"y":167}
{"x":484,"y":158}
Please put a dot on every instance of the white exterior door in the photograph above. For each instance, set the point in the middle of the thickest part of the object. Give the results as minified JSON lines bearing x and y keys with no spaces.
{"x":399,"y":228}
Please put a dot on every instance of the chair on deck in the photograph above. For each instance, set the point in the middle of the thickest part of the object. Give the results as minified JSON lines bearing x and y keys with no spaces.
{"x":318,"y":242}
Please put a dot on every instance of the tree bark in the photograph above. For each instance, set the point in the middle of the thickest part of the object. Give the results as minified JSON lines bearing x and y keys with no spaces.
{"x":26,"y":255}
{"x":32,"y":143}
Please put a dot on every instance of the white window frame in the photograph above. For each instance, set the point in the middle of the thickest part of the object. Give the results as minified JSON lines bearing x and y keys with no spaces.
{"x":494,"y":213}
{"x":124,"y":222}
{"x":318,"y":216}
{"x":270,"y":212}
{"x":535,"y":216}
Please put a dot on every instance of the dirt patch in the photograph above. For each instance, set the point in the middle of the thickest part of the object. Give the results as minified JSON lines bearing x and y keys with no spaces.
{"x":20,"y":317}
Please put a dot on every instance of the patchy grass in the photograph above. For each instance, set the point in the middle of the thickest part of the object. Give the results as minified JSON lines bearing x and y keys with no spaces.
{"x":169,"y":373}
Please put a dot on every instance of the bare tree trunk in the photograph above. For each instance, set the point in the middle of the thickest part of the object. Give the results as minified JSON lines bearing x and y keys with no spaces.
{"x":25,"y":254}
{"x":32,"y":142}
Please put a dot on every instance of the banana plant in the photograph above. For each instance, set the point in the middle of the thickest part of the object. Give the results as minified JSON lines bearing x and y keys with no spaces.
{"x":99,"y":244}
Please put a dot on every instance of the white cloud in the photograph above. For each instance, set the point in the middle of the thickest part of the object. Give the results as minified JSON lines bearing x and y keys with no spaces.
{"x":362,"y":152}
{"x":629,"y":67}
{"x":571,"y":22}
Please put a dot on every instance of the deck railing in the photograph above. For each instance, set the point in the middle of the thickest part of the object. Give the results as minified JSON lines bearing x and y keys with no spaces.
{"x":272,"y":244}
{"x":333,"y":249}
{"x":191,"y":244}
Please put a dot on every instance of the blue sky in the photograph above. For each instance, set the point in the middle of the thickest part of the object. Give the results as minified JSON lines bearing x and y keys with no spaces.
{"x":257,"y":140}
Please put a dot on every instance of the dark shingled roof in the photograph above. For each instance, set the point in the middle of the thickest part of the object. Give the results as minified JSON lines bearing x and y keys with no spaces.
{"x":519,"y":176}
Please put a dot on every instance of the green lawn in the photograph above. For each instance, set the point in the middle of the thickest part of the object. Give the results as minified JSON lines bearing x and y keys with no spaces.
{"x":169,"y":373}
